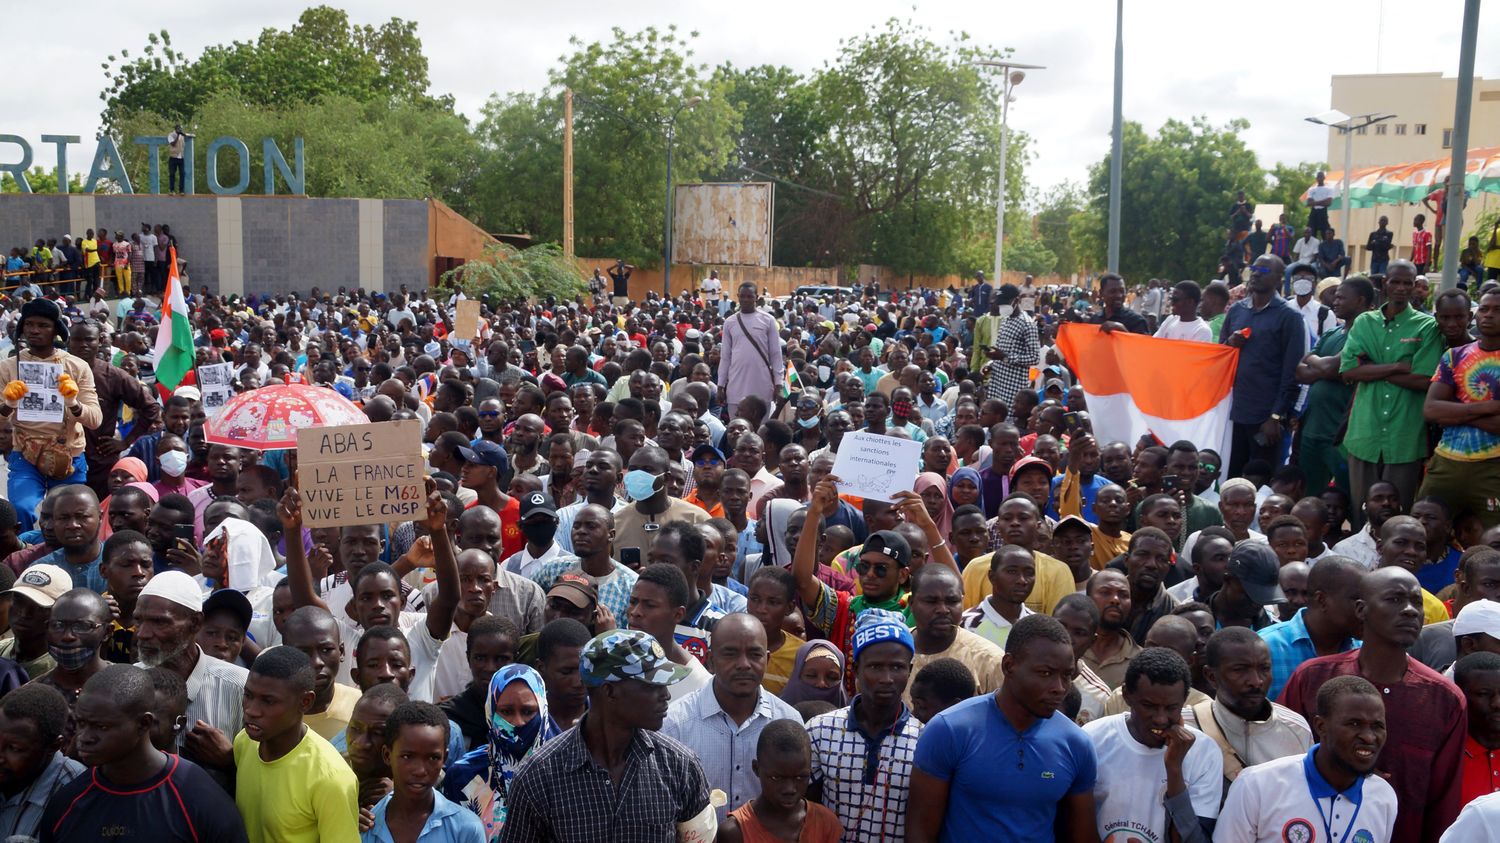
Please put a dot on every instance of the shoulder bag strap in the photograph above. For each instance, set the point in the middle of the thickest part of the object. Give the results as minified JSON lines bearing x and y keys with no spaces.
{"x":764,"y":358}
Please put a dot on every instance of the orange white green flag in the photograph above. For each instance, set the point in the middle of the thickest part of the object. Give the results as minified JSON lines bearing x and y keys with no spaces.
{"x":174,"y":336}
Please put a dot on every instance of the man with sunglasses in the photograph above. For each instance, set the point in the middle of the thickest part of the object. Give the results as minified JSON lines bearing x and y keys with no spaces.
{"x":708,"y":477}
{"x":1272,"y":338}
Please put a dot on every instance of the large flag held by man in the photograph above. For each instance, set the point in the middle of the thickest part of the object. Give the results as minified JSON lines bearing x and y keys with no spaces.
{"x":1135,"y":385}
{"x":174,"y":336}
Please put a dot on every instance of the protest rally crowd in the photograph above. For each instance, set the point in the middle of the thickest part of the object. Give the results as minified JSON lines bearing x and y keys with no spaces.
{"x":637,"y":604}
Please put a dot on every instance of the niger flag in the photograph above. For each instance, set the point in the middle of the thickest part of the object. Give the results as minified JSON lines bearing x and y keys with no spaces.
{"x":1135,"y":384}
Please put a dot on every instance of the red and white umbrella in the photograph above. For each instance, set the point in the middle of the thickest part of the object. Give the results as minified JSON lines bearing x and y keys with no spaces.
{"x":268,"y":418}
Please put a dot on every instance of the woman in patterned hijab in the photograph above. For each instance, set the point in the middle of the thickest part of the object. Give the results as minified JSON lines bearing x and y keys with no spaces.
{"x":518,"y":724}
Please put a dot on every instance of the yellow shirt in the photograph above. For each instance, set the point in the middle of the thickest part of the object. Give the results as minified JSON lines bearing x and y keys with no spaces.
{"x":90,"y":249}
{"x":1106,"y":548}
{"x":335,"y":718}
{"x":780,"y":663}
{"x":306,"y":796}
{"x":1433,"y":610}
{"x":974,"y":652}
{"x":1054,"y":580}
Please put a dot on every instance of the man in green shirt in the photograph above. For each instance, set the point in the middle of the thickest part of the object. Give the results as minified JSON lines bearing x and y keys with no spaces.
{"x":1319,"y":454}
{"x":1390,"y":356}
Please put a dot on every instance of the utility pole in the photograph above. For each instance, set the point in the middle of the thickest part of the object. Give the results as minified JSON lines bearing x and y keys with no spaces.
{"x":568,"y":248}
{"x":1453,"y":225}
{"x":1116,"y":152}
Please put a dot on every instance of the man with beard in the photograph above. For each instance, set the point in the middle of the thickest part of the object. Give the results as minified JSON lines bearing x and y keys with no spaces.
{"x":1423,"y":755}
{"x":952,"y":793}
{"x":168,"y":615}
{"x":1274,"y":801}
{"x":659,"y":782}
{"x":793,"y":466}
{"x":75,"y":631}
{"x":75,"y":523}
{"x":522,"y":443}
{"x":720,"y":721}
{"x":1147,"y":560}
{"x":1112,"y":647}
{"x":492,"y":420}
{"x":1247,"y":726}
{"x":937,"y":609}
{"x":1382,"y":501}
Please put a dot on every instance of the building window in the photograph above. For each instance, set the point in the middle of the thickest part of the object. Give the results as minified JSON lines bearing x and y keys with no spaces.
{"x":1360,"y":130}
{"x":1379,"y":128}
{"x":1419,"y":128}
{"x":1400,"y":128}
{"x":1447,"y":139}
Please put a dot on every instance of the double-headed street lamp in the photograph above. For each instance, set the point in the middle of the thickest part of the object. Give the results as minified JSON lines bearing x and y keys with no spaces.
{"x":1014,"y":73}
{"x":666,"y":247}
{"x":1335,"y":119}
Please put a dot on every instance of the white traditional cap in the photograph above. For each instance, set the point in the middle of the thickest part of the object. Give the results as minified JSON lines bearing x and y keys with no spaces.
{"x":1478,"y":616}
{"x":176,"y":587}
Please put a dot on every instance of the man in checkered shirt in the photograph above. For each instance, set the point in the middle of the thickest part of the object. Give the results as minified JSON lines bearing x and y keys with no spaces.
{"x":862,"y":755}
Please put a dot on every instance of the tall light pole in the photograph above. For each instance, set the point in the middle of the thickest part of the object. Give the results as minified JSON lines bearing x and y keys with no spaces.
{"x":1014,"y":73}
{"x":1454,"y":210}
{"x":1335,"y":119}
{"x":1116,"y":142}
{"x":666,"y":242}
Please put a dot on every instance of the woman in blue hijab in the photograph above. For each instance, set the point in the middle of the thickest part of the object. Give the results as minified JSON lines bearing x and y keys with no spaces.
{"x":519,"y":725}
{"x":971,"y":492}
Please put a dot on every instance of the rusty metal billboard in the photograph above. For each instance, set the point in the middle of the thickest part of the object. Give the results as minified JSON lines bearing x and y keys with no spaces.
{"x":723,"y":223}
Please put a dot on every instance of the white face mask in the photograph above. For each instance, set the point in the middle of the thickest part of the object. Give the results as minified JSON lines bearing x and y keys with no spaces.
{"x":1006,"y":310}
{"x":173,"y":463}
{"x":1302,"y":286}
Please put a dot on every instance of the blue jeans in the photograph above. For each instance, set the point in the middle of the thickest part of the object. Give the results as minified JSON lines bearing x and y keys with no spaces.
{"x":1378,"y":266}
{"x":27,"y":487}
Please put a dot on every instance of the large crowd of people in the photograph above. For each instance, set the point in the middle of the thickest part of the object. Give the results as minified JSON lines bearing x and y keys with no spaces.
{"x":636,"y":606}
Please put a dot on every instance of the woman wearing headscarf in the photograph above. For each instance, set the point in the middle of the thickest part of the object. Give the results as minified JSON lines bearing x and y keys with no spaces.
{"x":965,"y":488}
{"x":817,"y":675}
{"x":519,"y":725}
{"x":934,"y":492}
{"x":128,"y":471}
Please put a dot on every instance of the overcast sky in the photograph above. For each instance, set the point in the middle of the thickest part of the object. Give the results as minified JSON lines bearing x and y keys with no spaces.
{"x":1267,"y":63}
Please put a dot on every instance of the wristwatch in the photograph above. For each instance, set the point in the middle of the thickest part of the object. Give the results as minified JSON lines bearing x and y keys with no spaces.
{"x":1276,"y":417}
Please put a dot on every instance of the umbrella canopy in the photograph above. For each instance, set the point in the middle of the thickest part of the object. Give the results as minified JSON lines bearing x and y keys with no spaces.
{"x":268,"y":418}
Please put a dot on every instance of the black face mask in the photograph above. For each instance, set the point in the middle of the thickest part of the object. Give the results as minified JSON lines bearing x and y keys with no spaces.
{"x":540,"y":533}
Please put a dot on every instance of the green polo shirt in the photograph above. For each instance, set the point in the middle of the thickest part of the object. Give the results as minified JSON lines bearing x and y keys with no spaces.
{"x":1327,"y":401}
{"x":1385,"y":424}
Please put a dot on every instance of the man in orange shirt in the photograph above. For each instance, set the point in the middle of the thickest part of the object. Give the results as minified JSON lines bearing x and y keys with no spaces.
{"x":708,"y":477}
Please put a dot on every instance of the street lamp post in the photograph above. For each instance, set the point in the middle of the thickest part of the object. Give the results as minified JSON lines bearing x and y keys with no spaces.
{"x":1014,"y":73}
{"x":666,"y":247}
{"x":1335,"y":119}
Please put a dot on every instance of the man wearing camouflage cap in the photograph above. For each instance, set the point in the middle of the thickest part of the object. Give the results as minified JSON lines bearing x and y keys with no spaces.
{"x":654,"y":783}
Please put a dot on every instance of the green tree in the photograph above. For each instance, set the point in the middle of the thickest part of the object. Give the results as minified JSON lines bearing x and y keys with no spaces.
{"x":1176,"y":192}
{"x":322,"y":54}
{"x":1028,"y":254}
{"x":45,"y":181}
{"x":1054,"y":226}
{"x":1287,"y":184}
{"x":511,"y":274}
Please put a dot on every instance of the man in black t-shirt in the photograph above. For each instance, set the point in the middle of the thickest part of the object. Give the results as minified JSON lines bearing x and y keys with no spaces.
{"x":134,"y":791}
{"x":1379,"y":246}
{"x":620,"y":274}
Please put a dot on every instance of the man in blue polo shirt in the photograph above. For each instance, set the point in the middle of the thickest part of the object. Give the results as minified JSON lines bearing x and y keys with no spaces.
{"x":1326,"y":625}
{"x":953,"y":793}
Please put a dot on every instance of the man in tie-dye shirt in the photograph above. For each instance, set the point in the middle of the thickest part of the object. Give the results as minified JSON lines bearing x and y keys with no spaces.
{"x":1465,"y":468}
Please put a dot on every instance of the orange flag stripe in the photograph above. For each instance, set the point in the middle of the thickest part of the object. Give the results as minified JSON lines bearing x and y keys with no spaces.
{"x":1168,"y":379}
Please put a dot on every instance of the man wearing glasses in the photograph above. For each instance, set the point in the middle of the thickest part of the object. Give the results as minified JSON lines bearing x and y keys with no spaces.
{"x":1272,"y":338}
{"x":79,"y":622}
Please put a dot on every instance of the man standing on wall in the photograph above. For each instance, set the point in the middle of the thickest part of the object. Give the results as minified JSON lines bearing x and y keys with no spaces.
{"x":176,"y":170}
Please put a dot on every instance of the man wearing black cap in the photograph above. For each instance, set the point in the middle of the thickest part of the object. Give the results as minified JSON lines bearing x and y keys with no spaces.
{"x":1251,"y":583}
{"x":708,"y":478}
{"x":539,"y":526}
{"x":40,"y":327}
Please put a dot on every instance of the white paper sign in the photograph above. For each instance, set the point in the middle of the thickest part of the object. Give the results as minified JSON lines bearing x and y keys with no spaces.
{"x":42,"y":402}
{"x":870,"y":465}
{"x":214,"y":381}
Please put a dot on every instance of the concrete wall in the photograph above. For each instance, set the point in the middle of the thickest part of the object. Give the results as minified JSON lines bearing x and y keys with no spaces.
{"x":252,"y":244}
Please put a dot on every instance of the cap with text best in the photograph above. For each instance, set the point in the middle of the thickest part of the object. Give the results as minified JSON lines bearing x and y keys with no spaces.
{"x":1255,"y":565}
{"x":622,"y":654}
{"x":43,"y":584}
{"x":890,"y":544}
{"x":485,"y":452}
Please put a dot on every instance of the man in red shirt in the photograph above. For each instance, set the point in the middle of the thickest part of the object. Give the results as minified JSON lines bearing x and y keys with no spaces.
{"x":1422,"y":756}
{"x":1478,"y":676}
{"x":1421,"y":243}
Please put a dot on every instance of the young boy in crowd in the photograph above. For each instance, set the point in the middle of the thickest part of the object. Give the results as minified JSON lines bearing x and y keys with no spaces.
{"x":1012,"y":577}
{"x":169,"y":709}
{"x":939,"y":685}
{"x":489,"y":646}
{"x":290,"y":783}
{"x":783,"y":763}
{"x":773,"y":595}
{"x":415,"y":751}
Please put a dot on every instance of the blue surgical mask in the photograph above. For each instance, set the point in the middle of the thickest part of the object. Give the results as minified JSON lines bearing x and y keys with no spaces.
{"x":173,"y":463}
{"x":809,"y":424}
{"x":640,"y":485}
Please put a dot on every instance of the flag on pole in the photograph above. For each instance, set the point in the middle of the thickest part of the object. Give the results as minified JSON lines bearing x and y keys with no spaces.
{"x":174,"y":337}
{"x":1135,"y":385}
{"x":790,"y":380}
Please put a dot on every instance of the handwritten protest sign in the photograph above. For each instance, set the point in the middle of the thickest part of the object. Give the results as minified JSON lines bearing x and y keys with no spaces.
{"x":42,"y":402}
{"x":870,"y":465}
{"x":466,"y":325}
{"x":214,"y":382}
{"x":361,"y":473}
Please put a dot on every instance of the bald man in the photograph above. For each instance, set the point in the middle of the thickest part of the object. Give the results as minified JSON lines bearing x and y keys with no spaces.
{"x":1177,"y":634}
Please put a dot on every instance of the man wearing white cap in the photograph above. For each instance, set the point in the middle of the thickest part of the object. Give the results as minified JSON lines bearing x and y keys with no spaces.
{"x":168,"y":615}
{"x":1476,"y":630}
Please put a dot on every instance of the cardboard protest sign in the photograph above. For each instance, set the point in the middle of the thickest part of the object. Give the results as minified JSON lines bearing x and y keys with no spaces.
{"x":466,"y":324}
{"x":361,"y":473}
{"x":870,"y":465}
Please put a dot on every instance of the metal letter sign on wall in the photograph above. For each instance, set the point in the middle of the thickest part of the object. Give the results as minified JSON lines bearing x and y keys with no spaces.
{"x":108,"y":164}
